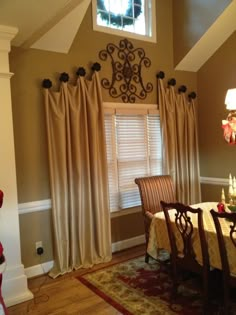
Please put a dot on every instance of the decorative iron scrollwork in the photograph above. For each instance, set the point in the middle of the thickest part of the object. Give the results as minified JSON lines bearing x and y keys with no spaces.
{"x":126,"y":81}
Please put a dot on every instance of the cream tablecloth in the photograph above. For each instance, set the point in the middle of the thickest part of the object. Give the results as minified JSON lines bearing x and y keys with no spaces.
{"x":159,"y":236}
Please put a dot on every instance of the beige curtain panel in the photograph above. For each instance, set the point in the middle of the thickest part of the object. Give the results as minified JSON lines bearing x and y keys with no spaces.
{"x":180,"y":142}
{"x":78,"y":175}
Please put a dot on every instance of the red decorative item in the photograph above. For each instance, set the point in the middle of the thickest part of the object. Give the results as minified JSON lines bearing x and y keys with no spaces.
{"x":221,"y":207}
{"x":1,"y":249}
{"x":1,"y":198}
{"x":2,"y":260}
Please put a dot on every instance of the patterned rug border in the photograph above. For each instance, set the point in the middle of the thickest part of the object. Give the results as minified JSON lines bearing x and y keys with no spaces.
{"x":105,"y":297}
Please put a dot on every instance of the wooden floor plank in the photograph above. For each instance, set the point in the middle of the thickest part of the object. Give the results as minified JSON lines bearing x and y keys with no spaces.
{"x":66,"y":295}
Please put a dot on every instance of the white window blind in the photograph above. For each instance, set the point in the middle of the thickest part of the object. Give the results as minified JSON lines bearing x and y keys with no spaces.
{"x":134,"y":149}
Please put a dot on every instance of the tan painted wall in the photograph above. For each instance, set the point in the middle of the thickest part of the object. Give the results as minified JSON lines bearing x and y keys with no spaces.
{"x":30,"y":68}
{"x":33,"y":228}
{"x":217,"y":158}
{"x":191,"y":19}
{"x":211,"y":192}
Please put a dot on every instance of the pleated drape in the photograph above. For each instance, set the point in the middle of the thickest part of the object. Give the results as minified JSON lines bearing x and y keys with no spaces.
{"x":180,"y":142}
{"x":78,"y":175}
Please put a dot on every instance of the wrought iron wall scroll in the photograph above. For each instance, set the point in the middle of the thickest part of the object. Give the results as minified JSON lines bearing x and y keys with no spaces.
{"x":126,"y":62}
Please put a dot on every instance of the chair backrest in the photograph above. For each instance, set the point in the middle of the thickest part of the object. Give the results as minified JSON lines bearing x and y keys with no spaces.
{"x":221,"y":241}
{"x":153,"y":189}
{"x":181,"y":228}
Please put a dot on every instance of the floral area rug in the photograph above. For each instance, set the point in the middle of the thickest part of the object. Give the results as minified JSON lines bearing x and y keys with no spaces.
{"x":136,"y":288}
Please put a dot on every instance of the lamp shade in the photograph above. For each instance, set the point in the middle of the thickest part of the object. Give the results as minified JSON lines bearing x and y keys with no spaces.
{"x":230,"y":99}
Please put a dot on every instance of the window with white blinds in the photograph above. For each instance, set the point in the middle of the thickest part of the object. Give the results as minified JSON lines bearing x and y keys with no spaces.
{"x":134,"y":149}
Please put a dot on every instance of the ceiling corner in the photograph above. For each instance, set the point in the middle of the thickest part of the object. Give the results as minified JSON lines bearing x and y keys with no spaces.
{"x":208,"y":44}
{"x":61,"y":36}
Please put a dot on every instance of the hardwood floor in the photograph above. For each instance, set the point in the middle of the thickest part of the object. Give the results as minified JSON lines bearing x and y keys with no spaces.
{"x":66,"y":295}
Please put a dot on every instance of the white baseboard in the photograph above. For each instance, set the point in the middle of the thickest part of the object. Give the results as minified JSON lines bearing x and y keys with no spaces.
{"x":37,"y":270}
{"x":14,"y":288}
{"x":131,"y":242}
{"x":45,"y":267}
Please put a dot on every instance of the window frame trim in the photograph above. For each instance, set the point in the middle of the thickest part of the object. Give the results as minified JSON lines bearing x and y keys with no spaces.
{"x":113,"y":106}
{"x":112,"y":31}
{"x":122,"y":212}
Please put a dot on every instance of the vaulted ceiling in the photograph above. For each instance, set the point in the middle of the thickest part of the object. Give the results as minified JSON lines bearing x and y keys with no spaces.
{"x":211,"y":40}
{"x":48,"y":25}
{"x":52,"y":25}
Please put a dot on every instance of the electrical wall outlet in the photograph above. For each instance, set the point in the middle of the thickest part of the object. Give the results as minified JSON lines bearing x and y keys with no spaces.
{"x":39,"y":248}
{"x":38,"y":244}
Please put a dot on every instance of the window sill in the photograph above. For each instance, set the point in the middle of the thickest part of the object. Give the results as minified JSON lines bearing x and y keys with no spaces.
{"x":115,"y":32}
{"x":123,"y":212}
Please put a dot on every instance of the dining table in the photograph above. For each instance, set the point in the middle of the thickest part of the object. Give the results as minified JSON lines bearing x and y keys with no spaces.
{"x":159,"y":239}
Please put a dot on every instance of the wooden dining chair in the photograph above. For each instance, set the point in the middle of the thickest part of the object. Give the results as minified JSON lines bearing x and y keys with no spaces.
{"x":228,"y":280}
{"x":183,"y":258}
{"x":152,"y":190}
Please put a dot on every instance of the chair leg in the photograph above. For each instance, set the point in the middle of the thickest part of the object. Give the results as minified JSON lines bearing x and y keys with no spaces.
{"x":205,"y":292}
{"x":226,"y":305}
{"x":146,"y":258}
{"x":175,"y":282}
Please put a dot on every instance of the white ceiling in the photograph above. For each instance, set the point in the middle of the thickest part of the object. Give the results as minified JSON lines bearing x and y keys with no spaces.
{"x":35,"y":18}
{"x":52,"y":25}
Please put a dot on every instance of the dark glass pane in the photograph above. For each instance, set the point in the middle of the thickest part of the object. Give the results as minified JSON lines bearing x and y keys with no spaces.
{"x":134,"y":10}
{"x":128,"y":21}
{"x":137,"y":11}
{"x":116,"y":20}
{"x":129,"y":12}
{"x":101,"y":5}
{"x":104,"y":16}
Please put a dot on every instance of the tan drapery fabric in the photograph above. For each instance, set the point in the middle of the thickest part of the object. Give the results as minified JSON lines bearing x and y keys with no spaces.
{"x":78,"y":175}
{"x":180,"y":142}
